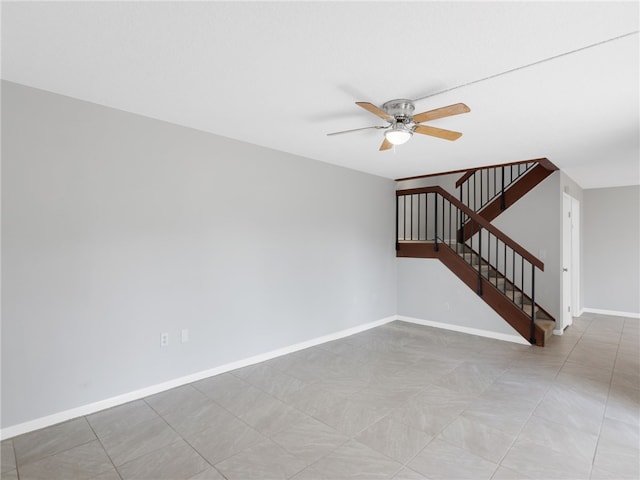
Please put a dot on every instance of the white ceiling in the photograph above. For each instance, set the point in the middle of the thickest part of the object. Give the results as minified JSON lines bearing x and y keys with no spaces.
{"x":284,"y":74}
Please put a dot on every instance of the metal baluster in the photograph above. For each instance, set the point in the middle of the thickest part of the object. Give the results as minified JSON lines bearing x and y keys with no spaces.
{"x":457,"y":235}
{"x":475,"y":190}
{"x":470,"y":242}
{"x":426,"y":216}
{"x":459,"y":221}
{"x":497,"y":262}
{"x":435,"y":223}
{"x":449,"y":222}
{"x":481,"y":193}
{"x":495,"y":182}
{"x":522,"y":281}
{"x":442,"y":217}
{"x":533,"y":303}
{"x":468,"y":203}
{"x":412,"y":216}
{"x":404,"y":218}
{"x":479,"y":289}
{"x":502,"y":202}
{"x":513,"y":272}
{"x":397,"y":220}
{"x":419,"y":201}
{"x":504,"y":284}
{"x":489,"y":265}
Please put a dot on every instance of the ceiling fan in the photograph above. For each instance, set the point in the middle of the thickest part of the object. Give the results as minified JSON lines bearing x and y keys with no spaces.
{"x":403,"y":124}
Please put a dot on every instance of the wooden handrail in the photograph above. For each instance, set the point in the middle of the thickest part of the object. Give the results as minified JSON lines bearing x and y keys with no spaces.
{"x":545,"y":162}
{"x":523,"y":252}
{"x":467,"y":175}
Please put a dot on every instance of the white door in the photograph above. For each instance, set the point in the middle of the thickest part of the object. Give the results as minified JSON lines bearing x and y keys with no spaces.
{"x":567,"y":270}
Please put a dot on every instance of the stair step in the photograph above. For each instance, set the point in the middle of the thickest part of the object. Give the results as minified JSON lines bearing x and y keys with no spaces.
{"x":547,"y":326}
{"x":501,"y":283}
{"x":470,"y":258}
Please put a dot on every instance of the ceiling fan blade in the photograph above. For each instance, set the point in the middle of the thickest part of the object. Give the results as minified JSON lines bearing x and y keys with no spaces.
{"x":386,"y":145}
{"x":455,"y":109}
{"x":437,"y":132}
{"x":354,"y":130}
{"x":375,"y":110}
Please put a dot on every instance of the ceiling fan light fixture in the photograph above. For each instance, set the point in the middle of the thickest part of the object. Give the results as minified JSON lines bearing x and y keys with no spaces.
{"x":398,"y":135}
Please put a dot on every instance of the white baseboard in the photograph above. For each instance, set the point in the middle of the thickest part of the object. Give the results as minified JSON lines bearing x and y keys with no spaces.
{"x":472,"y":331}
{"x":42,"y":422}
{"x":614,"y":313}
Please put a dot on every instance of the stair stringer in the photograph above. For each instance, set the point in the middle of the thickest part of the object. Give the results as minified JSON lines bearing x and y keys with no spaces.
{"x":469,"y":276}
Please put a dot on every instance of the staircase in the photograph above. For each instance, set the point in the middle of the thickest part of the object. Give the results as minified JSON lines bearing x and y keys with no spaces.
{"x":432,"y":223}
{"x":489,"y":191}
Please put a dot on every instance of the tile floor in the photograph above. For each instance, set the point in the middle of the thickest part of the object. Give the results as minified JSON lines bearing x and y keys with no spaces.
{"x":401,"y":401}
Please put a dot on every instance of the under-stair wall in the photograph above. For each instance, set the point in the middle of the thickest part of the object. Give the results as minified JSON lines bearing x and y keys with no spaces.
{"x":429,"y":292}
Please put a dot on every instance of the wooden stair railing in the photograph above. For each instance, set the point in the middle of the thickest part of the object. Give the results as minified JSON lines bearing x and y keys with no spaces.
{"x":500,"y":270}
{"x":491,"y":190}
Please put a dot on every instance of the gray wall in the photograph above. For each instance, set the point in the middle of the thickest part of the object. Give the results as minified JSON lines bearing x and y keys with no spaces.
{"x":117,"y":227}
{"x":611,"y":249}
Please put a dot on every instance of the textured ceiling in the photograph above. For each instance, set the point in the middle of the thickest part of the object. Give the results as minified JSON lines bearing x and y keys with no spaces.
{"x":284,"y":74}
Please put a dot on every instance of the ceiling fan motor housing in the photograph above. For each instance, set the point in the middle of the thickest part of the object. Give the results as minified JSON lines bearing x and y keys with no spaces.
{"x":401,"y":109}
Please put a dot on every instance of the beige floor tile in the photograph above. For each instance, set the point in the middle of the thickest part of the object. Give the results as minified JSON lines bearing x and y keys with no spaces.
{"x":478,"y":438}
{"x":8,"y":458}
{"x":177,"y":460}
{"x":309,"y":439}
{"x":40,"y":444}
{"x":442,"y":460}
{"x":121,"y":418}
{"x":209,"y":474}
{"x":180,"y":398}
{"x":408,"y":474}
{"x":396,"y":440}
{"x":9,"y":475}
{"x":542,"y":462}
{"x":623,"y":404}
{"x":138,"y":440}
{"x":353,"y":461}
{"x":221,"y":441}
{"x":82,"y":462}
{"x":570,"y":406}
{"x":559,"y":437}
{"x":263,"y":460}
